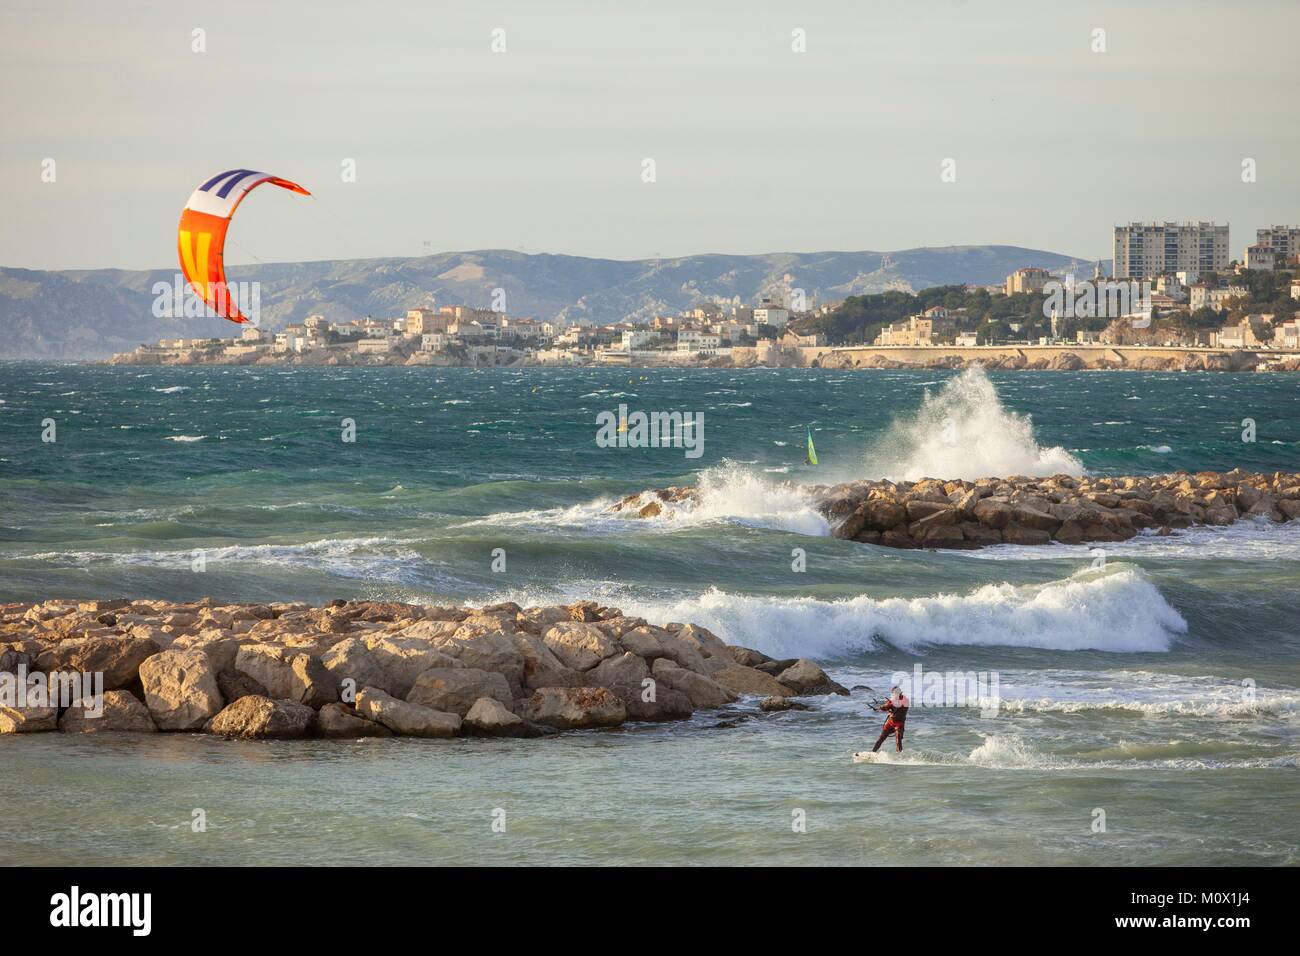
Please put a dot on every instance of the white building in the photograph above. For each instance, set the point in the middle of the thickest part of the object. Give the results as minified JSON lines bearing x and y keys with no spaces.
{"x":636,"y":338}
{"x":292,"y":339}
{"x":703,"y":343}
{"x":771,"y":315}
{"x":1148,"y":249}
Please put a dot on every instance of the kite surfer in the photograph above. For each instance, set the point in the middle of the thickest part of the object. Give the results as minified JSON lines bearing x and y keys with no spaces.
{"x":896,"y":707}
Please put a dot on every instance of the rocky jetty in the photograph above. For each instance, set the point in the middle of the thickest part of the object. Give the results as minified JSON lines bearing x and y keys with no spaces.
{"x":356,"y":669}
{"x":1019,"y":510}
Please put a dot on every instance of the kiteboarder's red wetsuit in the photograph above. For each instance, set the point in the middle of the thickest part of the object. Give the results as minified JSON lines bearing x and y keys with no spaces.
{"x":894,"y":724}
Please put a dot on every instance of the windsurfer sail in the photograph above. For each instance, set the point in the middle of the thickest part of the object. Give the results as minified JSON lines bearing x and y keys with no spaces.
{"x":811,"y":457}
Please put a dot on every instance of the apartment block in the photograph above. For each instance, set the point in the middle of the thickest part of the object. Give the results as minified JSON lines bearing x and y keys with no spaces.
{"x":1284,"y":240}
{"x":1148,"y":249}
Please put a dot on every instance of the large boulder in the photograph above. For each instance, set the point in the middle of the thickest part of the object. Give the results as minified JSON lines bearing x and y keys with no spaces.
{"x":993,"y":513}
{"x":656,"y":703}
{"x":1027,"y":516}
{"x":807,"y":679}
{"x":117,"y":658}
{"x":479,"y":646}
{"x":572,"y":708}
{"x":1019,"y":534}
{"x":488,"y":717}
{"x":747,"y":656}
{"x":750,"y":681}
{"x":541,"y":667}
{"x":882,"y":514}
{"x":703,"y":692}
{"x":685,"y":653}
{"x":180,"y":689}
{"x":32,"y":715}
{"x":119,"y":711}
{"x":456,"y":689}
{"x":219,"y":646}
{"x":403,"y":659}
{"x":579,"y":646}
{"x":703,"y":640}
{"x":535,"y":620}
{"x":261,"y":718}
{"x":625,"y":668}
{"x":340,"y":720}
{"x":644,"y":642}
{"x":288,"y":674}
{"x":404,"y":718}
{"x":351,"y":660}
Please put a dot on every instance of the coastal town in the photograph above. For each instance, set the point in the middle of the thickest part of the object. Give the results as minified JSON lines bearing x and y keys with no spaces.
{"x":1173,"y":299}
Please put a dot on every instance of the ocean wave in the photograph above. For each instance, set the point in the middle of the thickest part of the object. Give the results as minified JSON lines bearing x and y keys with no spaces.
{"x":370,"y":557}
{"x":727,"y":494}
{"x":1116,"y":610}
{"x":964,"y":431}
{"x":733,"y":494}
{"x":185,"y":438}
{"x":1154,"y":696}
{"x":1117,"y":693}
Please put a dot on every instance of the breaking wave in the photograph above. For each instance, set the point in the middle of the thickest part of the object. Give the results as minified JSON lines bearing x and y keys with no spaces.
{"x":964,"y":431}
{"x":730,"y":493}
{"x":1118,"y":611}
{"x":726,"y":494}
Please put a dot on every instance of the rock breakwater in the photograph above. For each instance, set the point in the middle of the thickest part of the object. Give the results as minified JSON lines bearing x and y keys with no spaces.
{"x":356,"y":669}
{"x":933,"y":513}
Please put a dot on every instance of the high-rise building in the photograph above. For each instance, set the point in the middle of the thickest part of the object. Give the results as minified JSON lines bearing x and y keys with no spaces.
{"x":1149,"y":249}
{"x":1284,"y":240}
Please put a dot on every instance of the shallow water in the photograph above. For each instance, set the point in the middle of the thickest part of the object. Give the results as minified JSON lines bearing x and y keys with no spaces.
{"x":1161,"y":688}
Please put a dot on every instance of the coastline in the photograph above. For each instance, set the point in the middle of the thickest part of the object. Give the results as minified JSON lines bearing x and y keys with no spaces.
{"x":355,"y":669}
{"x":1011,"y":357}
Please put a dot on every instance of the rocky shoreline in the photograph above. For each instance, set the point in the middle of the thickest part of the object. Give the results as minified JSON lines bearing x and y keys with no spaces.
{"x":355,"y":669}
{"x":1020,"y":510}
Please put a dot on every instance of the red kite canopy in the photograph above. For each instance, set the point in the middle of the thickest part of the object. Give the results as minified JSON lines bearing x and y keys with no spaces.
{"x":202,"y":236}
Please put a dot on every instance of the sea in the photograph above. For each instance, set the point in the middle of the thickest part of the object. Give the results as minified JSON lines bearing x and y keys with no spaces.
{"x":1147,"y":693}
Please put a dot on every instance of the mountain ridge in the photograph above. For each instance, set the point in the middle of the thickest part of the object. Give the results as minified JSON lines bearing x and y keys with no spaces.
{"x":92,"y":313}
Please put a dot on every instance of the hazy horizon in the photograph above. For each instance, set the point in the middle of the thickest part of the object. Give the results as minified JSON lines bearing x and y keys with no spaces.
{"x":758,"y":149}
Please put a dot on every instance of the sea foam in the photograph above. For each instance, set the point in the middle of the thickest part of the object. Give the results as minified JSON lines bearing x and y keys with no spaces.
{"x":964,"y":431}
{"x":1114,"y":610}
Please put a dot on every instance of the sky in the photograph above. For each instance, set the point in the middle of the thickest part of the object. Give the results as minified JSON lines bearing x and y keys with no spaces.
{"x":543,"y":146}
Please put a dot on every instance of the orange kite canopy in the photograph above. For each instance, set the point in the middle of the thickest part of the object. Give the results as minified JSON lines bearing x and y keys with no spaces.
{"x":202,"y":236}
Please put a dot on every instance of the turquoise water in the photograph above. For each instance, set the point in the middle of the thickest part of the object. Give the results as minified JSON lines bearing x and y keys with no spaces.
{"x":1162,"y":687}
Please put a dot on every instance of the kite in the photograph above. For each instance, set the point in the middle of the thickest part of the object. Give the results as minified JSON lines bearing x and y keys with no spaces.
{"x":202,"y":234}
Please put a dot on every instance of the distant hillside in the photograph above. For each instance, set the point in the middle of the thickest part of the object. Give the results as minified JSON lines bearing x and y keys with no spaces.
{"x":91,"y":314}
